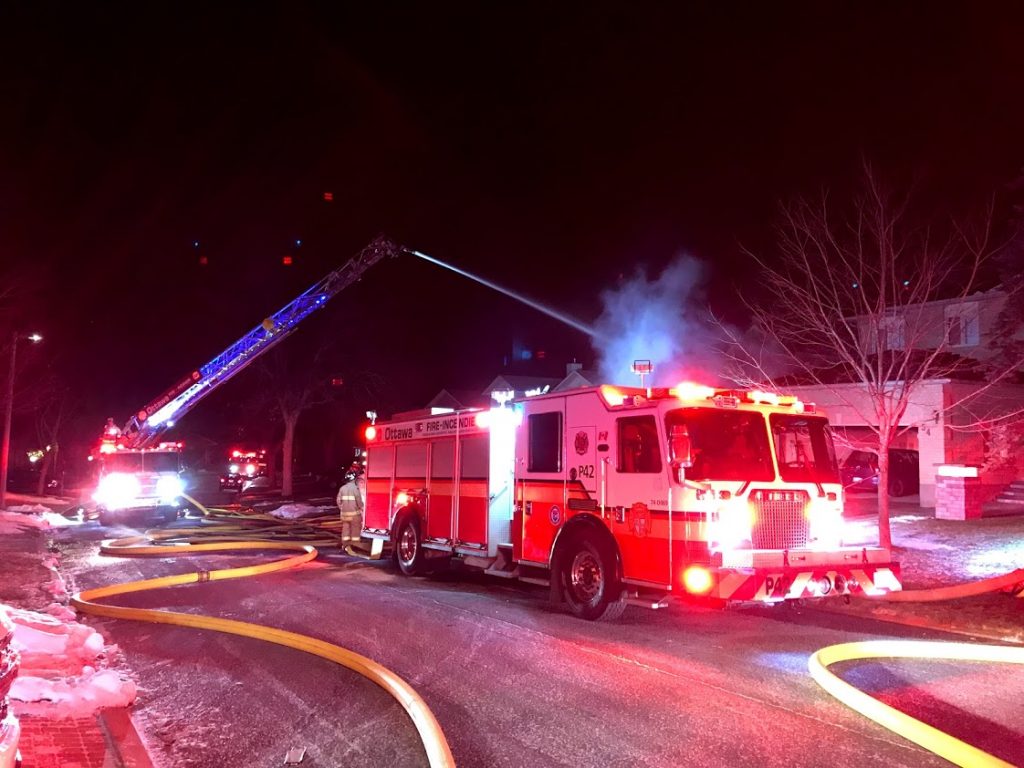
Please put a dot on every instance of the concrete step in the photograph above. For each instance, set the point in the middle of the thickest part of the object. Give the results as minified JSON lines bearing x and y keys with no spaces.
{"x":1012,"y":494}
{"x":1004,"y":500}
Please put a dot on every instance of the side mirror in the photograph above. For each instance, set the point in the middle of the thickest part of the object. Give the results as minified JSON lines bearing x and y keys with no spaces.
{"x":679,"y":446}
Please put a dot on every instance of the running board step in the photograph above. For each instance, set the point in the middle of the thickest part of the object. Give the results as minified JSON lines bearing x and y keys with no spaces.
{"x":648,"y":602}
{"x":503,"y":573}
{"x":536,"y":580}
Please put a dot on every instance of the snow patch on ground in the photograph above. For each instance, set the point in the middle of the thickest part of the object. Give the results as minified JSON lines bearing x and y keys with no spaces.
{"x":295,"y":511}
{"x":28,"y":508}
{"x":60,"y":666}
{"x":19,"y":522}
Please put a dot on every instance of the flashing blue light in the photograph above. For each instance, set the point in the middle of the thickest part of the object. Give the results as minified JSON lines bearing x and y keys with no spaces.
{"x":856,"y":285}
{"x":906,"y":282}
{"x":298,"y":242}
{"x":195,"y":243}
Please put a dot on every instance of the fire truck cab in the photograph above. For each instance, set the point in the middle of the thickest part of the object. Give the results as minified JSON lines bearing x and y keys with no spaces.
{"x":136,"y":482}
{"x":617,"y":495}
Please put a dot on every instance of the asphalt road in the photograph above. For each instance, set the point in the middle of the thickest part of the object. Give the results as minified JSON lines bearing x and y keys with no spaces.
{"x":513,"y":681}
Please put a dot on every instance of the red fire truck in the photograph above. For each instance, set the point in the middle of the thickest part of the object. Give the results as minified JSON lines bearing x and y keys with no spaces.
{"x":619,"y":495}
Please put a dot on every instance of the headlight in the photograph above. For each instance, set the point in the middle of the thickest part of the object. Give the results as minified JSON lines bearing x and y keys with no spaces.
{"x":732,"y":529}
{"x":827,"y":526}
{"x":117,"y":490}
{"x":169,"y":488}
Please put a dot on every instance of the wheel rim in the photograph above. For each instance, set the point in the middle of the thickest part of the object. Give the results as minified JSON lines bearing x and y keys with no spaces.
{"x":407,"y":545}
{"x":586,"y":577}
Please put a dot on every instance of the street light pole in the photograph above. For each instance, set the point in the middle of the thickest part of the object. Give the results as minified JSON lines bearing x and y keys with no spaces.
{"x":5,"y":447}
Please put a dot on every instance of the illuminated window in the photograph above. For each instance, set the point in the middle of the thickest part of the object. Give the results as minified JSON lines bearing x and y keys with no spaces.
{"x":545,"y":442}
{"x":638,"y":445}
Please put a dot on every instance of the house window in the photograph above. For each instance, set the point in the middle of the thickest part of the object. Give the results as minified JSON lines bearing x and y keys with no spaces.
{"x":892,"y":331}
{"x":545,"y":442}
{"x":962,"y":325}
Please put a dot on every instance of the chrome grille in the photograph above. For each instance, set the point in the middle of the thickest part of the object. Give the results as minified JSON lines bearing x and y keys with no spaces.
{"x":781,"y":521}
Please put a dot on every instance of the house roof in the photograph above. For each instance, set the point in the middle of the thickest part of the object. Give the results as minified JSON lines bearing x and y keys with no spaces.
{"x":519,"y":384}
{"x":576,"y":379}
{"x":458,"y":399}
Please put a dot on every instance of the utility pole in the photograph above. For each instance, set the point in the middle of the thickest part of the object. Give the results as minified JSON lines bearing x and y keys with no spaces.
{"x":5,"y":447}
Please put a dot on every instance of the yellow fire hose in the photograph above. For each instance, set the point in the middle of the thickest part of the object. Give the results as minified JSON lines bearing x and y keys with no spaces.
{"x":228,"y":530}
{"x":941,"y":743}
{"x":438,"y":753}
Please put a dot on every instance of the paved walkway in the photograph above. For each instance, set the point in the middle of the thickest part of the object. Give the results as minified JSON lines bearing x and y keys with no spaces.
{"x":70,"y":743}
{"x":106,"y":740}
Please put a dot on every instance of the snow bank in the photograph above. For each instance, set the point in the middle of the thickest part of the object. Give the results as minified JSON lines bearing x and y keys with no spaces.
{"x":294,"y":511}
{"x":59,"y":666}
{"x":12,"y":521}
{"x":28,"y":508}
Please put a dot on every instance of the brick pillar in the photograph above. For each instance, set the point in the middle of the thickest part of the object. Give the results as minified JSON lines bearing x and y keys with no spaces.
{"x":958,"y":492}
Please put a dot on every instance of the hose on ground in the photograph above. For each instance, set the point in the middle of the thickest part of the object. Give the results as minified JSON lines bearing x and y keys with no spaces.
{"x":254,"y":530}
{"x":941,"y":743}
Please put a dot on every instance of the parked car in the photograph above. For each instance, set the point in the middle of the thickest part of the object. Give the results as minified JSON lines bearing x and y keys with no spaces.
{"x":860,"y":471}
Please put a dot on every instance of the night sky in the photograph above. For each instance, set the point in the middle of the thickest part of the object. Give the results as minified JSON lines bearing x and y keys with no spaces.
{"x":550,"y":148}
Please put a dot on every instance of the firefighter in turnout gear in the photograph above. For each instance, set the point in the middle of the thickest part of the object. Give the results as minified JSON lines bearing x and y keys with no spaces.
{"x":350,"y":503}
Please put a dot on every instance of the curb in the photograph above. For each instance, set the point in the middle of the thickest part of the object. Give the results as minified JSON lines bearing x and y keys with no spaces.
{"x":123,"y":738}
{"x":918,"y":622}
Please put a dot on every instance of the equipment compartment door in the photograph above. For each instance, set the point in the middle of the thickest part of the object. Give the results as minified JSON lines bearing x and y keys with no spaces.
{"x":440,"y":500}
{"x":540,"y":461}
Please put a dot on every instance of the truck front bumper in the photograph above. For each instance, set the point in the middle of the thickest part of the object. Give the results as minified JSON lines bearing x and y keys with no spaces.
{"x":772,"y":576}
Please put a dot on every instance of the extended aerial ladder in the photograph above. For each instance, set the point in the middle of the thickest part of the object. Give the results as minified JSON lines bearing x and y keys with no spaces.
{"x":145,"y":427}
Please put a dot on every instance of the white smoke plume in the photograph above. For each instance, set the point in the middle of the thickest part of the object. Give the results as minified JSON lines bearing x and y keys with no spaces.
{"x":664,"y":320}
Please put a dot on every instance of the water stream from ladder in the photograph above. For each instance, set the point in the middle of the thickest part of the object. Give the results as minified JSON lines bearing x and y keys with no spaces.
{"x":560,"y":316}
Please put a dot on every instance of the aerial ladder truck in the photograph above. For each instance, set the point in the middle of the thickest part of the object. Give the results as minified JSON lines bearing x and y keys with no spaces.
{"x":139,"y":471}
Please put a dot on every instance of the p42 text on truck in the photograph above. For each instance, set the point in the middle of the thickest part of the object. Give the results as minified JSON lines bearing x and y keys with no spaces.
{"x":618,"y":495}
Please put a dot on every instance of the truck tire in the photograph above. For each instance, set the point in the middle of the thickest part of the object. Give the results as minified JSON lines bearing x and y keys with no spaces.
{"x":408,"y":546}
{"x":589,"y":583}
{"x":170,"y":515}
{"x":897,"y":487}
{"x":107,"y":519}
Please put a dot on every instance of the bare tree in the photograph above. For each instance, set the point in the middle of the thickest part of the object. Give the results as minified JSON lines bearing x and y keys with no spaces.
{"x":294,"y":388}
{"x":51,"y":422}
{"x":848,"y":295}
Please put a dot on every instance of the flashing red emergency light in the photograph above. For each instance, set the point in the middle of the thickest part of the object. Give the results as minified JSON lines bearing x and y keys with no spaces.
{"x":483,"y":419}
{"x":371,"y":433}
{"x":286,"y":260}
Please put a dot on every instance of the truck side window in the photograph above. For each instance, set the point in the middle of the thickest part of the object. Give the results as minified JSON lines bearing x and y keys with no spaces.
{"x":639,"y":449}
{"x":545,"y":442}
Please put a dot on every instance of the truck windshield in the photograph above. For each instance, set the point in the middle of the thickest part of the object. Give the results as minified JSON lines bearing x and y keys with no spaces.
{"x":725,"y":445}
{"x":141,"y":462}
{"x":803,"y":446}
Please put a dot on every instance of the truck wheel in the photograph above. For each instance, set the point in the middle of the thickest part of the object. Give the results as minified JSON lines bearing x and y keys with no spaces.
{"x":106,"y":518}
{"x":408,"y":546}
{"x":170,"y":515}
{"x":589,"y":584}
